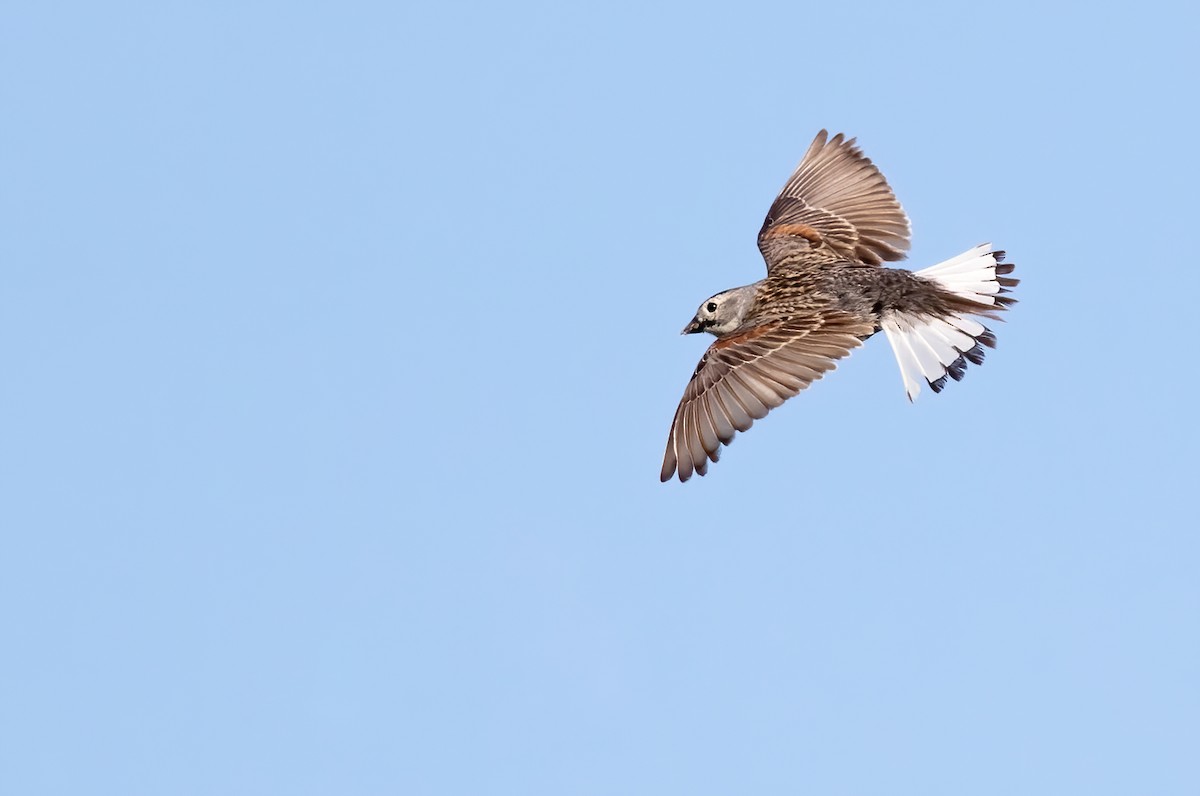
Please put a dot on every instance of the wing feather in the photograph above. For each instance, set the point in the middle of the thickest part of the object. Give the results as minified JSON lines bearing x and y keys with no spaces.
{"x":744,"y":376}
{"x":836,"y":205}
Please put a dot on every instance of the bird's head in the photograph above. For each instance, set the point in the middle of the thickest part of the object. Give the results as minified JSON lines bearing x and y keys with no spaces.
{"x":723,"y":312}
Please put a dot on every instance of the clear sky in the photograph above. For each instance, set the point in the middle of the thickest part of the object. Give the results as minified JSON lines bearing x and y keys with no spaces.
{"x":339,"y":344}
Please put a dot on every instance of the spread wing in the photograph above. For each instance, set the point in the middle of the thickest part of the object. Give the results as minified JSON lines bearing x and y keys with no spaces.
{"x":742,"y":377}
{"x":836,"y":203}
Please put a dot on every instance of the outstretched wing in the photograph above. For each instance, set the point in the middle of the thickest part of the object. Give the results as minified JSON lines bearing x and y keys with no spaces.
{"x":836,"y":203}
{"x":742,"y":377}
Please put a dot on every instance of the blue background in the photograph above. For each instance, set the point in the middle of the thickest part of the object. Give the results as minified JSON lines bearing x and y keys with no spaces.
{"x":339,"y":344}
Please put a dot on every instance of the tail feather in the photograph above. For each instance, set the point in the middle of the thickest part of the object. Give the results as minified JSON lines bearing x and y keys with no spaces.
{"x":933,"y":348}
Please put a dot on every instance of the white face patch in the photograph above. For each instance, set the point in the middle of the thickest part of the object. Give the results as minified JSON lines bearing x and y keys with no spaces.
{"x":709,"y":310}
{"x":724,"y":312}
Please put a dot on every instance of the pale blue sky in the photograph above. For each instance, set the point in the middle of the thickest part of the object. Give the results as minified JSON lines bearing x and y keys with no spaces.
{"x":339,"y":345}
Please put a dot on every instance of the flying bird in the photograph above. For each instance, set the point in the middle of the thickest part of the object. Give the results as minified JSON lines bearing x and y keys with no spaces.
{"x":824,"y":240}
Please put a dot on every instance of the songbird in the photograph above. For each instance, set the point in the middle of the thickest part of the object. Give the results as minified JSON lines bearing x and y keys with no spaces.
{"x":824,"y":241}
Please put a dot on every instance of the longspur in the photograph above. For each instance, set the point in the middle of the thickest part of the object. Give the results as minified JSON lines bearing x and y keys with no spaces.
{"x":824,"y":240}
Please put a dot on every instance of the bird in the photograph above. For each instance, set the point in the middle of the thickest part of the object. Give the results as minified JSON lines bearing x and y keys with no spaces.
{"x":824,"y":240}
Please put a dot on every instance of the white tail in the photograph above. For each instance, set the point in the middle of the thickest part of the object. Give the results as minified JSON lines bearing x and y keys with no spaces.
{"x":932,"y":348}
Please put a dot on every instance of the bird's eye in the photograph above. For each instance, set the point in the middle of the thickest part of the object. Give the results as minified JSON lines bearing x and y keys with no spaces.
{"x":712,"y":306}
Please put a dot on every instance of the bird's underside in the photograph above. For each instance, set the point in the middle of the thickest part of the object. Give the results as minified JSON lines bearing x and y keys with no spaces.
{"x":823,"y":241}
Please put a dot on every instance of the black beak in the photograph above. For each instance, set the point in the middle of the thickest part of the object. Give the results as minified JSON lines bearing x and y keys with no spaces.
{"x":693,"y":327}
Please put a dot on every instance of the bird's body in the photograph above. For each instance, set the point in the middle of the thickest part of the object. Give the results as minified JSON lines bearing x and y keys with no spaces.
{"x":824,"y":239}
{"x":864,"y":291}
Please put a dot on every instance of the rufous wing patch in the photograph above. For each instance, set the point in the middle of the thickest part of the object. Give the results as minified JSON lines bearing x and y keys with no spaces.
{"x":753,"y":333}
{"x":795,"y":230}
